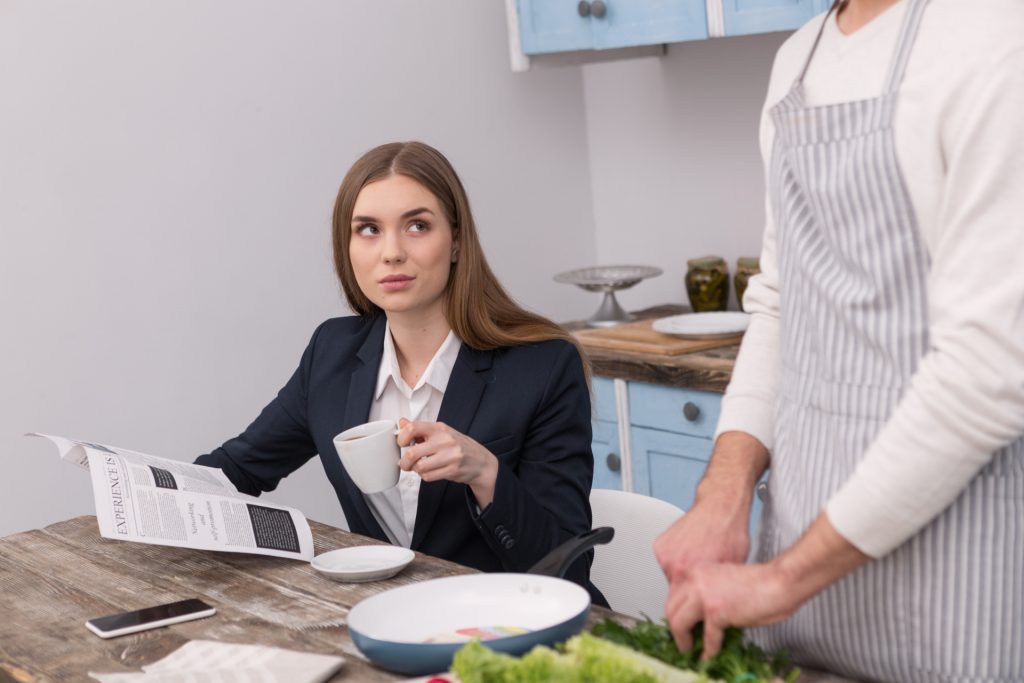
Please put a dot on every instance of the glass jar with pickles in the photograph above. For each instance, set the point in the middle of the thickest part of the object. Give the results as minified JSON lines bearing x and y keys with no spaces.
{"x":707,"y":283}
{"x":746,"y":268}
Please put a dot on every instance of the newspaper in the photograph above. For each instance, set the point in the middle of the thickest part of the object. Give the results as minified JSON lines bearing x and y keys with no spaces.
{"x":148,"y":499}
{"x":207,"y":661}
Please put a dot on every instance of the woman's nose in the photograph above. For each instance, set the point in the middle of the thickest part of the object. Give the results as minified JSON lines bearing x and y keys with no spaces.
{"x":392,"y":252}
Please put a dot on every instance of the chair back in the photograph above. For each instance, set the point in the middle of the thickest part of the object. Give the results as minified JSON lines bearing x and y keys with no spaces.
{"x":626,"y":570}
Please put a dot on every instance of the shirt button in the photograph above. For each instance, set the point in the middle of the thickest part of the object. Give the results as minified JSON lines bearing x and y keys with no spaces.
{"x":509,"y":543}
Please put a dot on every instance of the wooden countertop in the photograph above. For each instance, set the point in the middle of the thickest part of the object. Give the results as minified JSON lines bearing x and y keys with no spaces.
{"x":708,"y":370}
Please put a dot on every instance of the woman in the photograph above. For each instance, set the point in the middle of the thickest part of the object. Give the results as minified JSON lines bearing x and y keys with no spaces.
{"x":494,"y":400}
{"x":882,"y":376}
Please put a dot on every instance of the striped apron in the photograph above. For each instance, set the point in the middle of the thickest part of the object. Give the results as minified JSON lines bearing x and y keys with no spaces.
{"x":947,"y":605}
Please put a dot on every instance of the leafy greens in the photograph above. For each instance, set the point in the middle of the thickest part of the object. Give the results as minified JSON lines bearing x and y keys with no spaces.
{"x":644,"y":653}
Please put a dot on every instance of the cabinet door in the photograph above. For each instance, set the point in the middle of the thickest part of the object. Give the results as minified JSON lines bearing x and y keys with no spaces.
{"x":553,"y":26}
{"x":649,"y":22}
{"x":686,"y":411}
{"x":763,"y":16}
{"x":602,"y":395}
{"x":607,"y":457}
{"x":667,"y":465}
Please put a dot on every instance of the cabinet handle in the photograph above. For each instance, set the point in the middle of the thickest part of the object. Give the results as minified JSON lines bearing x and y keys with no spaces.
{"x":613,"y":462}
{"x":598,"y":9}
{"x":691,"y":411}
{"x":583,"y":8}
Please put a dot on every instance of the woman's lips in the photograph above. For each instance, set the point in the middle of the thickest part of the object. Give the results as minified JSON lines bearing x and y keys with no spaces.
{"x":394,"y":283}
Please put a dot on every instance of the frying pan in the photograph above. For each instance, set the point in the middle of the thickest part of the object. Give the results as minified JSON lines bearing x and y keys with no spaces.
{"x":413,"y":629}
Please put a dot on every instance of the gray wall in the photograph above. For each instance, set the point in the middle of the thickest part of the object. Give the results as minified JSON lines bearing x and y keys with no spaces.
{"x":167,"y":174}
{"x":168,"y":169}
{"x":674,"y":159}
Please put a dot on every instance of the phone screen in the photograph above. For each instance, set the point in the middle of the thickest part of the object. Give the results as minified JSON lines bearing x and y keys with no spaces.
{"x":114,"y":622}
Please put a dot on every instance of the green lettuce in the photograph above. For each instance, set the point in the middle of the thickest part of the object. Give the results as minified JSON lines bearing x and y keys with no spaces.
{"x":586,"y":659}
{"x":644,"y":653}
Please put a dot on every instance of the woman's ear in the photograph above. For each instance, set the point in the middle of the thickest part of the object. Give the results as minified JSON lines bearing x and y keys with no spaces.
{"x":455,"y":251}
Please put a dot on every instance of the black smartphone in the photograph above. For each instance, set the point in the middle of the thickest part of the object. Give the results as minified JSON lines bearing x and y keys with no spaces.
{"x":114,"y":625}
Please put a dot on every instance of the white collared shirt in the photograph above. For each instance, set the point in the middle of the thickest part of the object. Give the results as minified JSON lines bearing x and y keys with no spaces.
{"x":395,"y":508}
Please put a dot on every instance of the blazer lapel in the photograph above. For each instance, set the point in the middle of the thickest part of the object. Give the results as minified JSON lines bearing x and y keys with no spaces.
{"x":461,"y":399}
{"x":357,"y":410}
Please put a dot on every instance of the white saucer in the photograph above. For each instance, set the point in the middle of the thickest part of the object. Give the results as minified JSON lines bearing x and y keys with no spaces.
{"x":363,"y":563}
{"x":703,"y":325}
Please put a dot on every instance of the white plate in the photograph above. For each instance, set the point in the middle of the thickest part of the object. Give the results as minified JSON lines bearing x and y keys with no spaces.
{"x":363,"y":563}
{"x":703,"y":325}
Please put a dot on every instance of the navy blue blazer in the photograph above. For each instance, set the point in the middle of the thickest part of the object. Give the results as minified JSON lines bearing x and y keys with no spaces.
{"x":528,"y":405}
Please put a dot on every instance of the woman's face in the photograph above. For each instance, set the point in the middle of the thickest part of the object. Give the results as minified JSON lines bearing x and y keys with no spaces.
{"x":401,"y":247}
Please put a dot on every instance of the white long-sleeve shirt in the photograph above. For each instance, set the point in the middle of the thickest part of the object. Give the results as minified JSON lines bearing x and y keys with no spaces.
{"x":959,"y":134}
{"x":395,"y":508}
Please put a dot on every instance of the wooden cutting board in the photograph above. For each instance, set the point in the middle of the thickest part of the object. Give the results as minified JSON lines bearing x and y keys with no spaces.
{"x":638,"y":337}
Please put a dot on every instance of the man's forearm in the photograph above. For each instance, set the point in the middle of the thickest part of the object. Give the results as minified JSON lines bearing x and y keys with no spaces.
{"x":819,"y":558}
{"x":737,"y":463}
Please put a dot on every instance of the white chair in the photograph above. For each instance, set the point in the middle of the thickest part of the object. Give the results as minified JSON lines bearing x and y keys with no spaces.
{"x":626,"y":570}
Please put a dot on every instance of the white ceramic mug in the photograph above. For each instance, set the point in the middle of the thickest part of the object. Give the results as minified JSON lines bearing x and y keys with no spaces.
{"x":370,"y":454}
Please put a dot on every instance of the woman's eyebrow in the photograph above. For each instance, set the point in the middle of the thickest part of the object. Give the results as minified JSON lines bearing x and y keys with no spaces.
{"x":408,"y":214}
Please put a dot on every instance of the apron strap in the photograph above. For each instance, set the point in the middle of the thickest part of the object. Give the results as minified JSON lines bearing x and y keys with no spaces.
{"x":814,"y":48}
{"x":908,"y":34}
{"x":911,"y":24}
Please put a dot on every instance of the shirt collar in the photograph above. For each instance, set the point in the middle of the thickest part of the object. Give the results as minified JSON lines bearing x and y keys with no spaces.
{"x":436,"y":374}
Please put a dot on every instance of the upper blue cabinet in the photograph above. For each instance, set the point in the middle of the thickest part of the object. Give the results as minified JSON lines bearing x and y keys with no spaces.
{"x":547,"y":26}
{"x":564,"y":25}
{"x":743,"y":17}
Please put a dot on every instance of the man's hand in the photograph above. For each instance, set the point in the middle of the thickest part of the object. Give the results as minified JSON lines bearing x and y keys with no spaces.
{"x":723,"y":595}
{"x":716,"y":529}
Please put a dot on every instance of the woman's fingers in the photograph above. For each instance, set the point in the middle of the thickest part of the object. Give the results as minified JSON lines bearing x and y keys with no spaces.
{"x":412,"y":431}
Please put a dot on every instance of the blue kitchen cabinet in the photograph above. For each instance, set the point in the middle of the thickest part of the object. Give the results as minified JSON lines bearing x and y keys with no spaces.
{"x":566,"y":25}
{"x":607,"y":457}
{"x":744,"y":17}
{"x":668,"y":465}
{"x":671,"y":409}
{"x":605,"y":443}
{"x":671,"y":435}
{"x":553,"y":26}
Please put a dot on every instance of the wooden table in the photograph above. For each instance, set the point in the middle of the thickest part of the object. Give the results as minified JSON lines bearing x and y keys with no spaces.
{"x":53,"y":579}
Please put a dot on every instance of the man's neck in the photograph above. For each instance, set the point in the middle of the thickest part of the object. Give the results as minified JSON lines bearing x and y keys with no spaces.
{"x":855,"y":14}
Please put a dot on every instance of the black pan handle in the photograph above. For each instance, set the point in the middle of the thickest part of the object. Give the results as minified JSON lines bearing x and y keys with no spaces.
{"x":558,"y":560}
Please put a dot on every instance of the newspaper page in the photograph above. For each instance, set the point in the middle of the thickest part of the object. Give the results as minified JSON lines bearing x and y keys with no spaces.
{"x":207,"y":661}
{"x":148,"y":499}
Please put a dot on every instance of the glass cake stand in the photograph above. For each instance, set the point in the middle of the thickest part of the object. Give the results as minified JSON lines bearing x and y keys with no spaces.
{"x":608,"y":279}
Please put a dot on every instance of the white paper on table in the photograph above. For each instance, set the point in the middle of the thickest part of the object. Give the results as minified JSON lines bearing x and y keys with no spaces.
{"x":148,"y":499}
{"x":209,"y":661}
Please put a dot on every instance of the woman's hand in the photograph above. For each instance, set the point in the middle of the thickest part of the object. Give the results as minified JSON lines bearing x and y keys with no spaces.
{"x":436,"y":451}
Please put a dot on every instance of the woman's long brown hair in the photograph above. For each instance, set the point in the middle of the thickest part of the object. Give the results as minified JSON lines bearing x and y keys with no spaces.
{"x":477,"y":307}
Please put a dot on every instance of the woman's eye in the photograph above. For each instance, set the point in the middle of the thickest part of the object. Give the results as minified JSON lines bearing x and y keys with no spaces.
{"x":366,"y":230}
{"x":418,"y":226}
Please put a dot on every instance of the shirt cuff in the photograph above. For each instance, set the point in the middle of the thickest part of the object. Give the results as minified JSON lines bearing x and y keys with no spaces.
{"x":865,"y":520}
{"x":748,"y":414}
